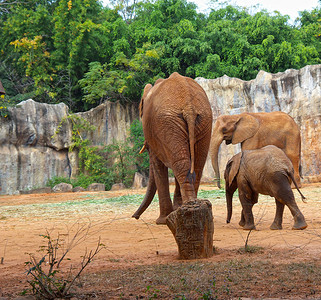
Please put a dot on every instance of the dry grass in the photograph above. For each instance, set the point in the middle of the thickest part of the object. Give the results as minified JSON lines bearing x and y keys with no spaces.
{"x":243,"y":276}
{"x":277,"y":264}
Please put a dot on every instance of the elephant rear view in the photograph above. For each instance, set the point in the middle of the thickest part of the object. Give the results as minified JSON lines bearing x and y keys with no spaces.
{"x":177,"y":124}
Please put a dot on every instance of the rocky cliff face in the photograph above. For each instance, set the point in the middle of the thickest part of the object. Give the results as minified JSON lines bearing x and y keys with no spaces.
{"x":296,"y":92}
{"x":30,"y":155}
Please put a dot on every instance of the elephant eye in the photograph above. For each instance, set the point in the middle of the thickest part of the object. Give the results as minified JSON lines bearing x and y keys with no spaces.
{"x":224,"y":130}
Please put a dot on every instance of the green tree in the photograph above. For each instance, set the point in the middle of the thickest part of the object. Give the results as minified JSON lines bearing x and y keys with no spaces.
{"x":123,"y":79}
{"x":79,"y":38}
{"x":81,"y":53}
{"x":25,"y":31}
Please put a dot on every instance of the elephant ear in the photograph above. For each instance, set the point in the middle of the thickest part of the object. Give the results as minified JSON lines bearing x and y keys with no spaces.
{"x":245,"y":128}
{"x":234,"y":166}
{"x":158,"y":81}
{"x":141,"y":104}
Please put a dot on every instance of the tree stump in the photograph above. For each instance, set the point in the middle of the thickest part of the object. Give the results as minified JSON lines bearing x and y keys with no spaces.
{"x":193,"y":228}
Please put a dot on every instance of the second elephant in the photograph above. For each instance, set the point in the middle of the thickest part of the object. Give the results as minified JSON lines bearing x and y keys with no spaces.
{"x":266,"y":171}
{"x":256,"y":130}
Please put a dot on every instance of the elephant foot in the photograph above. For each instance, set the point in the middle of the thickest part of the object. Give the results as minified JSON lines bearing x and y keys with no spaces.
{"x":275,"y":226}
{"x":176,"y":206}
{"x":249,"y":227}
{"x":300,"y":225}
{"x":161,"y":220}
{"x":242,"y":223}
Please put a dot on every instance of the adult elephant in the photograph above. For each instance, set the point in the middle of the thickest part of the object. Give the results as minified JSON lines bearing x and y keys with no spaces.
{"x":266,"y":171}
{"x":256,"y":130}
{"x":177,"y":122}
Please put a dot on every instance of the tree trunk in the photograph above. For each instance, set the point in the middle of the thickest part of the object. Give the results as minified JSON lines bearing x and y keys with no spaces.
{"x":193,"y":228}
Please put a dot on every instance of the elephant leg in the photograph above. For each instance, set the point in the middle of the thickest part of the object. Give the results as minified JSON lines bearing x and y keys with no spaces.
{"x":181,"y":165}
{"x":254,"y":199}
{"x":177,"y":201}
{"x":162,"y":184}
{"x":277,"y":223}
{"x":187,"y":190}
{"x":242,"y":221}
{"x":247,"y":205}
{"x":286,"y":196}
{"x":299,"y":220}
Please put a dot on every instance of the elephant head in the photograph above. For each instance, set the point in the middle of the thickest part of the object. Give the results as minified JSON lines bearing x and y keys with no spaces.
{"x":233,"y":129}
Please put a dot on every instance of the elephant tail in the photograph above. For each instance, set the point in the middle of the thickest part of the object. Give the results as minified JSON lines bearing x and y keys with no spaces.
{"x":296,"y":186}
{"x":190,"y":118}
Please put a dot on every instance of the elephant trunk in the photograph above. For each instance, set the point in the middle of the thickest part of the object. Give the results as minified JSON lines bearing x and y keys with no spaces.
{"x":150,"y":193}
{"x":229,"y":197}
{"x":217,"y":139}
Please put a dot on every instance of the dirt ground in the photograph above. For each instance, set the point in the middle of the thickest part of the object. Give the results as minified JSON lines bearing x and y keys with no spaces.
{"x":133,"y":243}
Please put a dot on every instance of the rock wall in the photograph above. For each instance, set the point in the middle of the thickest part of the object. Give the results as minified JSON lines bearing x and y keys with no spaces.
{"x":296,"y":92}
{"x":30,"y":154}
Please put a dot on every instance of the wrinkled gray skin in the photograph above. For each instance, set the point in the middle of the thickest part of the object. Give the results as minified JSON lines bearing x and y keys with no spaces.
{"x":177,"y":124}
{"x":266,"y":171}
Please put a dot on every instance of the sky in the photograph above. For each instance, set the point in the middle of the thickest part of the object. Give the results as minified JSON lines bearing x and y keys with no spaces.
{"x":285,"y":7}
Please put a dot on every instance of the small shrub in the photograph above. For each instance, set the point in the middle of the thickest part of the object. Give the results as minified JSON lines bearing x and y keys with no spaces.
{"x":58,"y":179}
{"x":82,"y":180}
{"x":122,"y":160}
{"x":48,"y":281}
{"x":250,"y":249}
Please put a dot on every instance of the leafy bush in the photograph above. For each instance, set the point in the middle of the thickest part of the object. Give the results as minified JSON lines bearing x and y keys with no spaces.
{"x":114,"y":163}
{"x":58,"y":179}
{"x":117,"y":162}
{"x":84,"y":180}
{"x":122,"y":160}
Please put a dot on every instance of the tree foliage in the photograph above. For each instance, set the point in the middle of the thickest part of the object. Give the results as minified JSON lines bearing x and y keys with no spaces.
{"x":82,"y":53}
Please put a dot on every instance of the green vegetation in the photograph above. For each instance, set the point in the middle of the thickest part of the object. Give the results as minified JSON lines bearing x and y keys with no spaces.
{"x":114,"y":163}
{"x":82,"y":53}
{"x":48,"y":282}
{"x":211,"y":194}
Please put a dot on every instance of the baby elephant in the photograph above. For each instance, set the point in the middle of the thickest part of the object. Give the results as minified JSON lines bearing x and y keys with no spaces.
{"x":267,"y":171}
